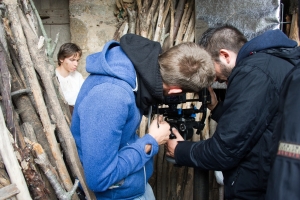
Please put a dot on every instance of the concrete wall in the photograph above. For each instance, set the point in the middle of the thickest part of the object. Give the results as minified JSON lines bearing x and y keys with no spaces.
{"x":92,"y":24}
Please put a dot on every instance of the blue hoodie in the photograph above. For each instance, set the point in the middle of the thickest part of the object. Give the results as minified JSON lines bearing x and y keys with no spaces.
{"x":104,"y":125}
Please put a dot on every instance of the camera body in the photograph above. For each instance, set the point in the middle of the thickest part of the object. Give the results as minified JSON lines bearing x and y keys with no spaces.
{"x":184,"y":120}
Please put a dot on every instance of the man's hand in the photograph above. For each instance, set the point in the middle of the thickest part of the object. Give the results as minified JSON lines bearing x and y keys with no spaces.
{"x":214,"y":100}
{"x":160,"y":130}
{"x":172,"y":143}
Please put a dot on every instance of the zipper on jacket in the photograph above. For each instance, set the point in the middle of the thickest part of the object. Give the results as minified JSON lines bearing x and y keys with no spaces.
{"x":235,"y":178}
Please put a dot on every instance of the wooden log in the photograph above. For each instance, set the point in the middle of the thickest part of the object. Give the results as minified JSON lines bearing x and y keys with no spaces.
{"x":4,"y":179}
{"x":25,"y":108}
{"x":294,"y":34}
{"x":160,"y":173}
{"x":9,"y":191}
{"x":11,"y":163}
{"x":19,"y":138}
{"x":62,"y":101}
{"x":288,"y":24}
{"x":152,"y":26}
{"x":189,"y":35}
{"x":143,"y":14}
{"x":123,"y":28}
{"x":33,"y":178}
{"x":165,"y":26}
{"x":160,"y":22}
{"x":178,"y":16}
{"x":131,"y":20}
{"x":150,"y":15}
{"x":171,"y":37}
{"x":69,"y":145}
{"x":42,"y":160}
{"x":5,"y":91}
{"x":31,"y":138}
{"x":27,"y":66}
{"x":31,"y":18}
{"x":185,"y":21}
{"x":139,"y":11}
{"x":17,"y":67}
{"x":2,"y":37}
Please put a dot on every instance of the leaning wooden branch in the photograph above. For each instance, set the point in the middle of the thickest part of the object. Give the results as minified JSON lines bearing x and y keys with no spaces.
{"x":64,"y":132}
{"x":27,"y":66}
{"x":23,"y":103}
{"x":131,"y":20}
{"x":42,"y":160}
{"x":178,"y":16}
{"x":143,"y":13}
{"x":160,"y":22}
{"x":6,"y":90}
{"x":189,"y":35}
{"x":32,"y":20}
{"x":183,"y":24}
{"x":150,"y":16}
{"x":33,"y":177}
{"x":9,"y":191}
{"x":11,"y":162}
{"x":171,"y":39}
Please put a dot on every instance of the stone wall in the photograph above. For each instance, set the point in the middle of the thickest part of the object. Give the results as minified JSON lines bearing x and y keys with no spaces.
{"x":92,"y":24}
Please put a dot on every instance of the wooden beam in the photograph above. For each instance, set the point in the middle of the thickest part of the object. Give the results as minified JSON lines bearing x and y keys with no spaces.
{"x":8,"y":191}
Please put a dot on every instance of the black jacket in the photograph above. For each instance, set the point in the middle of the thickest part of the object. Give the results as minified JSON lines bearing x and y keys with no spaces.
{"x":284,"y":178}
{"x":241,"y":146}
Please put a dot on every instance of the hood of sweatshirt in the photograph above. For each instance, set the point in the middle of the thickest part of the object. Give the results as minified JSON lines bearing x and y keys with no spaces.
{"x":271,"y":39}
{"x":144,"y":55}
{"x":113,"y":62}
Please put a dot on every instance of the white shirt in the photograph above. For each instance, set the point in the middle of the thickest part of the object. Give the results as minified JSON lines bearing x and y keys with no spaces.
{"x":70,"y":85}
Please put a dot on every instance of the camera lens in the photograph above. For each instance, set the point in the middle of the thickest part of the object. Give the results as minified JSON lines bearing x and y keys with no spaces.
{"x":182,"y":127}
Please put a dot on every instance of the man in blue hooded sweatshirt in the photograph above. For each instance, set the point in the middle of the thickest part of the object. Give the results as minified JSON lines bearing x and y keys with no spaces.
{"x":125,"y":79}
{"x":242,"y":145}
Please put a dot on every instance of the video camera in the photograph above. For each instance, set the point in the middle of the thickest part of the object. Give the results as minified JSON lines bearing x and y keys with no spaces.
{"x":183,"y":119}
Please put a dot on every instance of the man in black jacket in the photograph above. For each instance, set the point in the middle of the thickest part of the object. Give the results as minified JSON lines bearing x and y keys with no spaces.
{"x":284,"y":176}
{"x":241,"y":146}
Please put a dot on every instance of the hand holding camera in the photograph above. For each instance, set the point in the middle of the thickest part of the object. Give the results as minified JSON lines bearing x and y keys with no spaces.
{"x":160,"y":130}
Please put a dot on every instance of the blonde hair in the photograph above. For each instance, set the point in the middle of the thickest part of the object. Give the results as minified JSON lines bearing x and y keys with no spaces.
{"x":187,"y":66}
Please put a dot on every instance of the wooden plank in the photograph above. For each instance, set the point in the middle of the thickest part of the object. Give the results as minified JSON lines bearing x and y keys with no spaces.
{"x":8,"y":191}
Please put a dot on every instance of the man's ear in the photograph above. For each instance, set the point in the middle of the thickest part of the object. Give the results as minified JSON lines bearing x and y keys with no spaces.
{"x":225,"y":55}
{"x":175,"y":91}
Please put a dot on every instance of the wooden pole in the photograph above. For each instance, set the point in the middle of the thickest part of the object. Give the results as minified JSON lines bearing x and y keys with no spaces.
{"x":10,"y":161}
{"x":64,"y":130}
{"x":27,"y":66}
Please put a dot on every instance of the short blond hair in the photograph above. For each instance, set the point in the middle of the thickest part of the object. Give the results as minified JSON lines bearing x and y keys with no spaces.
{"x":187,"y":66}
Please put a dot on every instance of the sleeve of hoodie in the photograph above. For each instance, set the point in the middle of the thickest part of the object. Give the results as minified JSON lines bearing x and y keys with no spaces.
{"x":103,"y":114}
{"x":248,"y":107}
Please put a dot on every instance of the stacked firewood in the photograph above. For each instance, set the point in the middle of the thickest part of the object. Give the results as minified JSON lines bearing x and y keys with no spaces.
{"x":157,"y":20}
{"x":39,"y":158}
